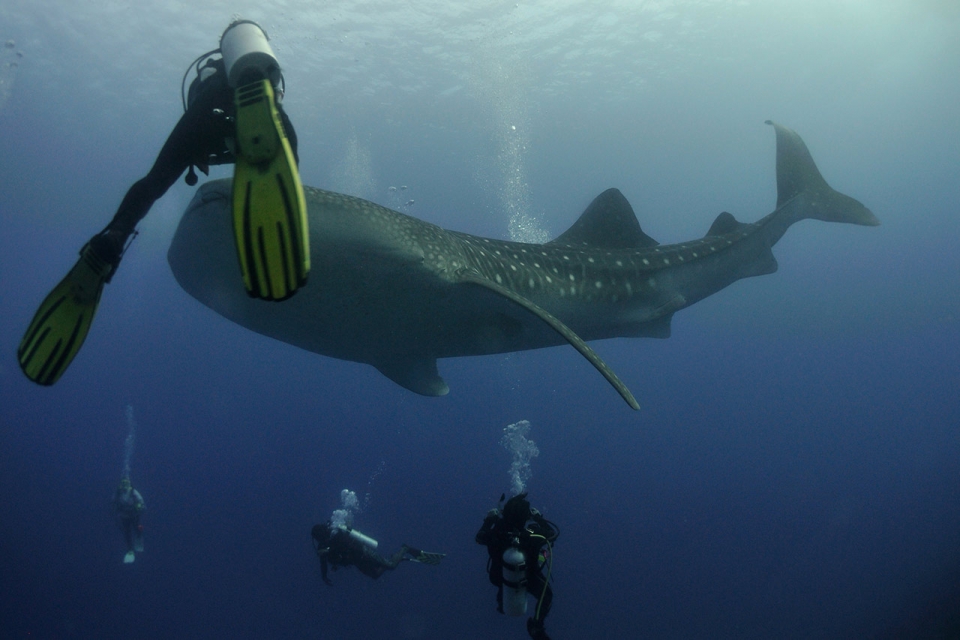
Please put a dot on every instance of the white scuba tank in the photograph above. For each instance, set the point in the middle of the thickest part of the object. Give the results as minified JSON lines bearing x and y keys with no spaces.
{"x":514,"y":582}
{"x":360,"y":537}
{"x":244,"y":47}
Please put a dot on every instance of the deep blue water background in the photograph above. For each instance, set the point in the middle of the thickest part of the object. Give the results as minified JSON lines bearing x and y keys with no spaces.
{"x":794,"y":470}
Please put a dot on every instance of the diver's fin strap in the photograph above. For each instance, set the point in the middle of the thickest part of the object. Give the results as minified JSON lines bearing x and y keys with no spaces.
{"x":103,"y":269}
{"x":568,"y":334}
{"x":269,"y":208}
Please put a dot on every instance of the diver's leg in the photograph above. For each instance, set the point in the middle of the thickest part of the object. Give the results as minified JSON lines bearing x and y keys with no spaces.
{"x":373,"y":564}
{"x":539,"y":588}
{"x":128,"y":533}
{"x":371,"y":569}
{"x":127,"y":525}
{"x":544,"y":593}
{"x":137,"y":535}
{"x":396,"y":558}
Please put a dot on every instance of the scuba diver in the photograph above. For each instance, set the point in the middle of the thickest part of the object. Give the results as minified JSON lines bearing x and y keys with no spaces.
{"x":232,"y":113}
{"x":128,"y":504}
{"x":338,"y":545}
{"x":520,"y":541}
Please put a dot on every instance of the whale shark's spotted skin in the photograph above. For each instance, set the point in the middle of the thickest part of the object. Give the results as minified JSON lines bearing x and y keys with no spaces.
{"x":398,"y":293}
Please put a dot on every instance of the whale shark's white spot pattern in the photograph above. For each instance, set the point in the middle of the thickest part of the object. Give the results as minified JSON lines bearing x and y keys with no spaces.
{"x":618,"y":276}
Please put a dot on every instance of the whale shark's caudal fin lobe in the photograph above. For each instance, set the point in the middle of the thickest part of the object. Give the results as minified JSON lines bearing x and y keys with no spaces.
{"x":798,"y":175}
{"x":608,"y":222}
{"x":796,"y":170}
{"x":415,"y":374}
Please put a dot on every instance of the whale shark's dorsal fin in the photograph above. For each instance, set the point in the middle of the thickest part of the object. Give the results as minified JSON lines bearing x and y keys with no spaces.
{"x":724,"y":224}
{"x":609,"y":222}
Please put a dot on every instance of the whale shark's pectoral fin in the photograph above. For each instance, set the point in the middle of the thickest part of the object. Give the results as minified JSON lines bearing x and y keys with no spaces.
{"x":658,"y":328}
{"x":565,"y":331}
{"x":416,"y":374}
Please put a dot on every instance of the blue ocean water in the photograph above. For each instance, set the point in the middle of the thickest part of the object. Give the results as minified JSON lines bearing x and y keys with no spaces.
{"x":794,"y":470}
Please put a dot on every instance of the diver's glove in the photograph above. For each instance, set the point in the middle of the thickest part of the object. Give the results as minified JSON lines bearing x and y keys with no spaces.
{"x":63,"y":320}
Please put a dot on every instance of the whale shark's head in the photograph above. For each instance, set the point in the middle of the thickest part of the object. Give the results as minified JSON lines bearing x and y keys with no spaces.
{"x":203,"y":256}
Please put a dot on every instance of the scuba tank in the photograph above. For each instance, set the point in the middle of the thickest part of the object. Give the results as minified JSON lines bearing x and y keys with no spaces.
{"x":514,"y":582}
{"x":246,"y":52}
{"x":360,"y":537}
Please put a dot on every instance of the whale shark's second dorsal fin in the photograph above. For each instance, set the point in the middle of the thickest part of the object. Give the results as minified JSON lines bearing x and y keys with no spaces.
{"x":609,"y":222}
{"x":724,"y":224}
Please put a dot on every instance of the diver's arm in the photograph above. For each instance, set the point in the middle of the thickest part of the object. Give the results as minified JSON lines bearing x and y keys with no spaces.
{"x":554,"y":531}
{"x":544,"y":527}
{"x":485,"y":534}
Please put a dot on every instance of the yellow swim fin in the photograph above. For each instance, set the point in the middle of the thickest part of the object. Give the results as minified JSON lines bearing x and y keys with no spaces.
{"x":61,"y":324}
{"x":269,"y":210}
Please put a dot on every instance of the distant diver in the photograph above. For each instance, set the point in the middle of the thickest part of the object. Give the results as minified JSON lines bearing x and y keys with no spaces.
{"x":232,"y":114}
{"x":341,"y":546}
{"x":519,"y":541}
{"x":129,"y":504}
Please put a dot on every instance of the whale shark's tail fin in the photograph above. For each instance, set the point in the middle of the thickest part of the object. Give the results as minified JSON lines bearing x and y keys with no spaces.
{"x":797,"y":175}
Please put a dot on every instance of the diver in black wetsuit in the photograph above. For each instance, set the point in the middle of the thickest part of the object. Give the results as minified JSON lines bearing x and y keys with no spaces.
{"x":341,"y":546}
{"x":202,"y":137}
{"x":209,"y":132}
{"x":519,"y":541}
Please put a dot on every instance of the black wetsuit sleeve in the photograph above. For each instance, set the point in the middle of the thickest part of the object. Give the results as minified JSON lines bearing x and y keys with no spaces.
{"x":486,"y":533}
{"x":546,"y":528}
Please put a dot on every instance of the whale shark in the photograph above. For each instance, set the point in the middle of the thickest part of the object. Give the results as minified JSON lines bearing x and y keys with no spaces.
{"x":398,"y":293}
